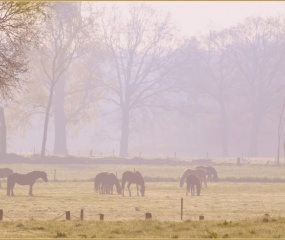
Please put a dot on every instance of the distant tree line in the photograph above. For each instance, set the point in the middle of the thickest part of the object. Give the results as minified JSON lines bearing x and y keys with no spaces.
{"x":133,"y":81}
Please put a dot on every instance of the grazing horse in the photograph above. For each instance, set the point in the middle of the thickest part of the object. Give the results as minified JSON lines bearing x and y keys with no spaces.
{"x":24,"y":179}
{"x":212,"y":174}
{"x":192,"y":181}
{"x":5,"y":172}
{"x":200,"y":173}
{"x":133,"y":177}
{"x":105,"y":181}
{"x":97,"y":181}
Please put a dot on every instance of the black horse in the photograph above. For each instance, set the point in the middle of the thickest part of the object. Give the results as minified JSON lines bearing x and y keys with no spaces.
{"x":212,"y":175}
{"x":104,"y":183}
{"x":192,"y":181}
{"x":24,"y":179}
{"x":5,"y":172}
{"x":133,"y":177}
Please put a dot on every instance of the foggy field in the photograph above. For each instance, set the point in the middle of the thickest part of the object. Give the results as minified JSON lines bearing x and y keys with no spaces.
{"x":87,"y":172}
{"x":230,"y":209}
{"x":74,"y":190}
{"x":220,"y":201}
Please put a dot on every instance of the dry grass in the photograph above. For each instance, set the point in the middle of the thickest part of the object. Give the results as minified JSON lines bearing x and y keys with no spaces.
{"x":220,"y":201}
{"x":231,"y":210}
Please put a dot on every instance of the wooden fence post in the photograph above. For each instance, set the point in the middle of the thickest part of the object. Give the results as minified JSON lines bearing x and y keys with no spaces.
{"x":1,"y":214}
{"x":81,"y":214}
{"x":148,"y":216}
{"x":181,"y":208}
{"x":67,"y":215}
{"x":101,"y":216}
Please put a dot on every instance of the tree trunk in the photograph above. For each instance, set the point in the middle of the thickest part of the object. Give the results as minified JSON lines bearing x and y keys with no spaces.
{"x":280,"y":127}
{"x":60,"y":146}
{"x":43,"y":151}
{"x":3,"y":130}
{"x":124,"y":143}
{"x":224,"y":130}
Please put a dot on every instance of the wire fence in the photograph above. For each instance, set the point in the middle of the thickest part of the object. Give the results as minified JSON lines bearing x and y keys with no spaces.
{"x":167,"y":214}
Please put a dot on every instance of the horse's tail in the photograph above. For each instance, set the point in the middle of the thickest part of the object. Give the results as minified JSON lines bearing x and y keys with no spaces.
{"x":118,"y":186}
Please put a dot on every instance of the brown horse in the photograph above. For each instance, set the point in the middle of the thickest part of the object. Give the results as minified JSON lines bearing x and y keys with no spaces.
{"x":133,"y":177}
{"x":212,"y":174}
{"x":200,"y":173}
{"x":24,"y":179}
{"x":104,"y":182}
{"x":192,"y":181}
{"x":5,"y":172}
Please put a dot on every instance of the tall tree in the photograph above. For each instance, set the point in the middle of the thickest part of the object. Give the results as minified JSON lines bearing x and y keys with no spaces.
{"x":218,"y":79}
{"x":140,"y":50}
{"x":19,"y":29}
{"x":61,"y":48}
{"x":258,"y":54}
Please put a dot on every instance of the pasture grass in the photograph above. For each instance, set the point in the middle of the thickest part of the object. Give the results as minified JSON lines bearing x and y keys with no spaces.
{"x":87,"y":172}
{"x":248,"y":228}
{"x":220,"y":201}
{"x":231,"y":209}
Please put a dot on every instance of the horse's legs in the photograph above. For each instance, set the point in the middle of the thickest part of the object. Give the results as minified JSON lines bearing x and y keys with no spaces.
{"x":8,"y":189}
{"x":138,"y":190}
{"x":12,"y":189}
{"x":31,"y":190}
{"x":129,"y":184}
{"x":192,"y":190}
{"x":0,"y":185}
{"x":10,"y":186}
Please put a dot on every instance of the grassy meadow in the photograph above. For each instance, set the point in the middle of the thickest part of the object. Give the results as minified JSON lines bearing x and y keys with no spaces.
{"x":231,"y":209}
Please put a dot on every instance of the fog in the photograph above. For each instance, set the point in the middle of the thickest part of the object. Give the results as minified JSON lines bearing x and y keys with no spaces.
{"x":157,"y":79}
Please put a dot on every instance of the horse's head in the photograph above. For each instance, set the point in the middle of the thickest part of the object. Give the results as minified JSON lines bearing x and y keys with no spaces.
{"x":119,"y":189}
{"x":44,"y":176}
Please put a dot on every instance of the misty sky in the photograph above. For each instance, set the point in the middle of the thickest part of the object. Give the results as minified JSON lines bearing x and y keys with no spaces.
{"x":191,"y":18}
{"x":195,"y":17}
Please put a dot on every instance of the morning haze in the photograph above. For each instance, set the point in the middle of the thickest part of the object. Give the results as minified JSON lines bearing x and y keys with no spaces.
{"x":124,"y":112}
{"x":152,"y":78}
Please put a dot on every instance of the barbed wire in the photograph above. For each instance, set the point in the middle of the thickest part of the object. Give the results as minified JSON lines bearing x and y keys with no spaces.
{"x":58,"y":217}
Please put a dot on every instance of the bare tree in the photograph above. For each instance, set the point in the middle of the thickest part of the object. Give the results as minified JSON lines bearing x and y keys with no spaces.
{"x":19,"y":30}
{"x":258,"y":54}
{"x":56,"y":55}
{"x":139,"y":54}
{"x":280,"y":127}
{"x":217,"y":82}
